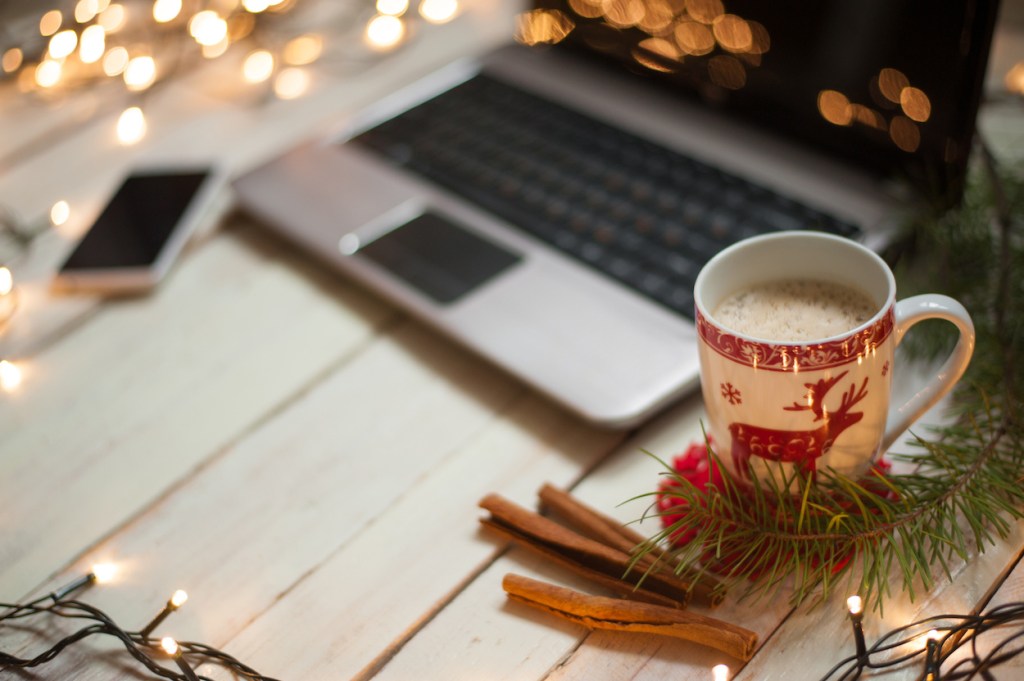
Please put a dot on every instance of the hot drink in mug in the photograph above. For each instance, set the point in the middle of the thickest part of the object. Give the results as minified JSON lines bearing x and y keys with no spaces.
{"x":798,"y":332}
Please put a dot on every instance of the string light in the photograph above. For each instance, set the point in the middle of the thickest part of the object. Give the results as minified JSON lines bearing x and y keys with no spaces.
{"x":258,"y":66}
{"x":171,"y":647}
{"x":115,"y":61}
{"x":384,"y":32}
{"x":395,"y":8}
{"x":48,"y":73}
{"x":291,"y":83}
{"x":720,"y":672}
{"x":856,"y":607}
{"x":59,"y":213}
{"x":92,"y":44}
{"x":166,"y":10}
{"x":92,"y":621}
{"x":176,"y":601}
{"x":62,"y":44}
{"x":10,"y":376}
{"x":140,"y":73}
{"x":131,"y":125}
{"x":50,"y":22}
{"x":438,"y":11}
{"x":931,"y":662}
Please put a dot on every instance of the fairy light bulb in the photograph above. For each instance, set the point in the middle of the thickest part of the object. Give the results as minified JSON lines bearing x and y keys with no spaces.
{"x":438,"y":11}
{"x":92,"y":44}
{"x":855,"y":605}
{"x":384,"y":31}
{"x":50,"y":22}
{"x":258,"y":66}
{"x":720,"y":672}
{"x":115,"y":61}
{"x":62,"y":44}
{"x":304,"y":49}
{"x":140,"y":73}
{"x":178,"y":598}
{"x":12,"y":59}
{"x":255,"y":6}
{"x":207,"y":27}
{"x":395,"y":8}
{"x":47,"y":73}
{"x":169,"y":645}
{"x":86,"y":10}
{"x":59,"y":213}
{"x":6,"y":281}
{"x":131,"y":125}
{"x":291,"y":83}
{"x":113,"y":18}
{"x":166,"y":10}
{"x":10,"y":376}
{"x":104,"y":573}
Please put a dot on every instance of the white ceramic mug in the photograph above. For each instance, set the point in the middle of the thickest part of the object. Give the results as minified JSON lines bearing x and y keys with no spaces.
{"x":777,"y":406}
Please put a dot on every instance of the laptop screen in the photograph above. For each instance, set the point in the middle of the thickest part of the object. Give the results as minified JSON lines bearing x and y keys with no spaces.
{"x":891,"y":85}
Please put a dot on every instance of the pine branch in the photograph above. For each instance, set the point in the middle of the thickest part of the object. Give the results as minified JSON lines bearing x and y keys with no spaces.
{"x":966,"y":489}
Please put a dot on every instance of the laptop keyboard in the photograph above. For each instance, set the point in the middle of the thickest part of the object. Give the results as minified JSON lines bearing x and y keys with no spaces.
{"x":642,"y":214}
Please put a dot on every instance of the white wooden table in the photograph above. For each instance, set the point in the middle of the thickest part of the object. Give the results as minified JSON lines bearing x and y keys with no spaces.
{"x":303,"y":458}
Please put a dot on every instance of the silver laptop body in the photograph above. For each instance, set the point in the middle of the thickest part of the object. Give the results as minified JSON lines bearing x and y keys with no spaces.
{"x":604,"y":351}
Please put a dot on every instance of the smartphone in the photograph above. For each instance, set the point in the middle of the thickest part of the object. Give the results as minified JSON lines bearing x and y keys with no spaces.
{"x":140,"y":232}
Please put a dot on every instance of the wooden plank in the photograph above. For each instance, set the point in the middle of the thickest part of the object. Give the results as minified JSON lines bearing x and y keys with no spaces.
{"x":118,"y":412}
{"x":351,"y":512}
{"x":389,"y":580}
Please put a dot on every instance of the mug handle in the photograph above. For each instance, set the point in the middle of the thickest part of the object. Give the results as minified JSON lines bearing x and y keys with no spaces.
{"x":909,"y":312}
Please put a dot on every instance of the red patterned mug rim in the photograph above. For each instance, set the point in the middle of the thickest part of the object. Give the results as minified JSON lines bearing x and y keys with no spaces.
{"x":794,"y":357}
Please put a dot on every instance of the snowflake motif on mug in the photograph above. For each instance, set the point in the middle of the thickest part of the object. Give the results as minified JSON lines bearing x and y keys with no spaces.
{"x":885,"y":368}
{"x":731,"y":394}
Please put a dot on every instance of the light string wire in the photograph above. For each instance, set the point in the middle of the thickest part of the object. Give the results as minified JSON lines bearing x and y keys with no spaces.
{"x":957,"y":634}
{"x":144,"y":649}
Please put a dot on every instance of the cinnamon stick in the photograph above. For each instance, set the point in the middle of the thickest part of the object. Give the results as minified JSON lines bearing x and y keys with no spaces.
{"x":579,"y":552}
{"x":598,"y":612}
{"x":595,"y":525}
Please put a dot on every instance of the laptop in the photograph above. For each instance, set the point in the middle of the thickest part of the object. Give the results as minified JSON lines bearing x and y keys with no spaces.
{"x":548,"y":205}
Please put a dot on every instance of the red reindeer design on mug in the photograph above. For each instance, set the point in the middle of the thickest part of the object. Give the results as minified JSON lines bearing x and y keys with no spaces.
{"x":802,"y":447}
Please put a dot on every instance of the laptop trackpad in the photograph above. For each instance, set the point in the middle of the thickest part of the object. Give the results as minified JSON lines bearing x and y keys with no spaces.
{"x":439,"y":258}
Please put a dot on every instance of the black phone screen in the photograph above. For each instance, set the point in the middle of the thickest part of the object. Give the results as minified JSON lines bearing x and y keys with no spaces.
{"x":133,"y":228}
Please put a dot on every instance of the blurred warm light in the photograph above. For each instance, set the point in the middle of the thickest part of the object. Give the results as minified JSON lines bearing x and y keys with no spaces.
{"x":733,"y":33}
{"x":258,"y":66}
{"x":693,"y":38}
{"x":869,"y":117}
{"x":915,"y":104}
{"x":302,"y":50}
{"x":891,"y":83}
{"x":542,"y":26}
{"x":384,"y":31}
{"x":104,"y":572}
{"x":140,"y":73}
{"x":1015,"y":78}
{"x":904,"y":133}
{"x":26,"y":80}
{"x":10,"y":376}
{"x":855,"y":605}
{"x":59,"y":213}
{"x":438,"y":11}
{"x":12,"y":60}
{"x":112,"y":18}
{"x":591,"y":9}
{"x":255,"y":6}
{"x":62,"y":44}
{"x":207,"y":27}
{"x":6,"y":281}
{"x":720,"y":672}
{"x":658,"y":17}
{"x":395,"y":8}
{"x":217,"y":49}
{"x":169,"y":645}
{"x":50,"y":22}
{"x":727,"y":71}
{"x":661,"y":47}
{"x":47,"y":74}
{"x":178,"y":598}
{"x":86,"y":10}
{"x":835,"y":107}
{"x":166,"y":10}
{"x":760,"y":40}
{"x":115,"y":61}
{"x":131,"y":125}
{"x":291,"y":83}
{"x":705,"y":11}
{"x":624,"y":13}
{"x":92,"y":44}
